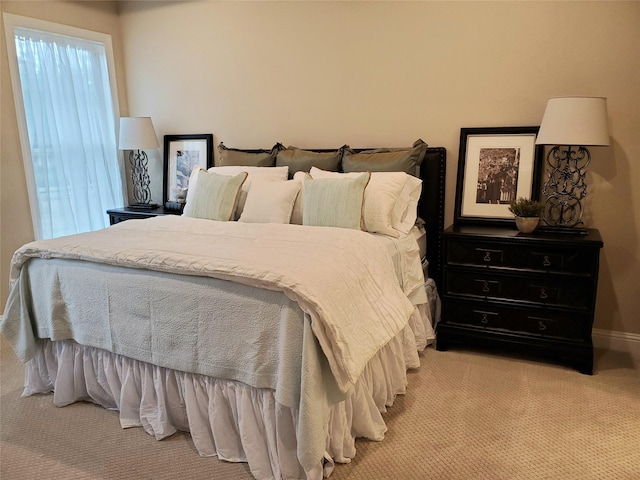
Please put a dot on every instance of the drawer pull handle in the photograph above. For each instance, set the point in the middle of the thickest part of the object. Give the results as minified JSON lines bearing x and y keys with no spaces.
{"x":541,"y":326}
{"x":484,"y":319}
{"x":543,"y":294}
{"x":487,"y":256}
{"x":546,"y":262}
{"x":485,"y":288}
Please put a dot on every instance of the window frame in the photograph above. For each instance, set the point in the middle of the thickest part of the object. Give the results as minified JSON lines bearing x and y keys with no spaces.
{"x":11,"y":22}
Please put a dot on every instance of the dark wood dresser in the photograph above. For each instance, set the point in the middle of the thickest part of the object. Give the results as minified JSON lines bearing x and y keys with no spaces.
{"x":532,"y":293}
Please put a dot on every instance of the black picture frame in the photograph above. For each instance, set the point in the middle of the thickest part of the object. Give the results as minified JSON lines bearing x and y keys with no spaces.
{"x":182,"y":153}
{"x":495,"y":166}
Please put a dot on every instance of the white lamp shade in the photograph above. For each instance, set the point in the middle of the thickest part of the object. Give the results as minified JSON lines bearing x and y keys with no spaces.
{"x":579,"y":121}
{"x":137,"y":133}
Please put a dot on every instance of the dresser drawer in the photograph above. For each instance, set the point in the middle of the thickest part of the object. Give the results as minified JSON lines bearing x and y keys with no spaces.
{"x":531,"y":321}
{"x":532,"y":256}
{"x":550,"y":290}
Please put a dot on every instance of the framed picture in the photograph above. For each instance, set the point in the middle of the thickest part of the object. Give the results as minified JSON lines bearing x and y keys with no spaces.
{"x":495,"y":166}
{"x":182,"y":153}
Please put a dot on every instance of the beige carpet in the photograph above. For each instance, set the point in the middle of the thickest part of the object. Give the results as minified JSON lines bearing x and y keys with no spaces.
{"x":467,"y":415}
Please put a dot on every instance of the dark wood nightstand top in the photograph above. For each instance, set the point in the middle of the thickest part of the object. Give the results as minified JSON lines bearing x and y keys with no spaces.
{"x":143,"y":213}
{"x":117,"y":215}
{"x":592,"y":236}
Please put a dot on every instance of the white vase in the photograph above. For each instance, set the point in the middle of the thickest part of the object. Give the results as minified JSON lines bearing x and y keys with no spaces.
{"x":527,"y":224}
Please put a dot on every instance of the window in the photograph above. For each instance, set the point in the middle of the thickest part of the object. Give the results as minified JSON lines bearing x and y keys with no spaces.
{"x":66,"y":102}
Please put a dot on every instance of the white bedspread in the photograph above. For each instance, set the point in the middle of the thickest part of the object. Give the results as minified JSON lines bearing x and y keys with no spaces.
{"x":343,"y":279}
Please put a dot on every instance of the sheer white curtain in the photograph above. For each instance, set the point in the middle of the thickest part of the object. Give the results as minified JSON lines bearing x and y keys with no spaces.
{"x":70,"y":119}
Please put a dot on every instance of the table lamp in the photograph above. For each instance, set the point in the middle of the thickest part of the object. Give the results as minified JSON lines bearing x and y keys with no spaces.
{"x":570,"y":124}
{"x":137,"y":134}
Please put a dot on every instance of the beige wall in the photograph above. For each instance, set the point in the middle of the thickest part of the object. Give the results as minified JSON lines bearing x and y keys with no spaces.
{"x":321,"y":74}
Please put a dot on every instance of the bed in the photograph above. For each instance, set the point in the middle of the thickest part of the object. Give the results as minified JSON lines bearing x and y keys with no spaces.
{"x":241,"y":333}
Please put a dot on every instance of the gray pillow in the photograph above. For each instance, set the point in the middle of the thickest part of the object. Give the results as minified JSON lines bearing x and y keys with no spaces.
{"x":385,"y":159}
{"x":299,"y":160}
{"x":253,"y":158}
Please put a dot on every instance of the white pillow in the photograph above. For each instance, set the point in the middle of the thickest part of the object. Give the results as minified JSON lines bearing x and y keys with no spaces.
{"x":270,"y":202}
{"x":296,"y":214}
{"x":405,"y":212}
{"x":213,"y":196}
{"x":264,"y":173}
{"x":256,"y":174}
{"x":193,"y":179}
{"x":385,"y":207}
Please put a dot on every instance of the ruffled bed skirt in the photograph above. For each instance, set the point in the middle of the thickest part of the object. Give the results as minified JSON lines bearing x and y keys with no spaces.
{"x":225,"y":418}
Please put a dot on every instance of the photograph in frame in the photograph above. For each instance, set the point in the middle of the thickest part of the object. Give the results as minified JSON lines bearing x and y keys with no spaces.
{"x":183,"y":153}
{"x":496,"y":165}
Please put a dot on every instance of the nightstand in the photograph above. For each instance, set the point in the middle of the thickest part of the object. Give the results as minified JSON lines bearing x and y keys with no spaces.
{"x":531,"y":293}
{"x":117,"y":215}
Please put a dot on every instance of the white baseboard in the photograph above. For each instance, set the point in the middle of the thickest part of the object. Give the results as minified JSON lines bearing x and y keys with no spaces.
{"x":618,"y":341}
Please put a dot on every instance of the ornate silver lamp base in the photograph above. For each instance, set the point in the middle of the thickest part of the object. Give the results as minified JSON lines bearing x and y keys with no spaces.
{"x":565,"y":188}
{"x":140,"y":178}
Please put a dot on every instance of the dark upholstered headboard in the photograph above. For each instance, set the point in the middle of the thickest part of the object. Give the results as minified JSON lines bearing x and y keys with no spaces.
{"x":431,"y":207}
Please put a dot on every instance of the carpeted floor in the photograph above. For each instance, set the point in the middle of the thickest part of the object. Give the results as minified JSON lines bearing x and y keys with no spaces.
{"x":467,"y":415}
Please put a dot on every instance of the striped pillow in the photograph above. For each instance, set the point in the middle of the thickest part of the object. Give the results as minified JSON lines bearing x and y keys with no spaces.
{"x":334,"y":202}
{"x":213,"y":196}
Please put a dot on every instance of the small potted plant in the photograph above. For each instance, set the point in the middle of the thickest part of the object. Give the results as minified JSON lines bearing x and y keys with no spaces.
{"x":527,"y":214}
